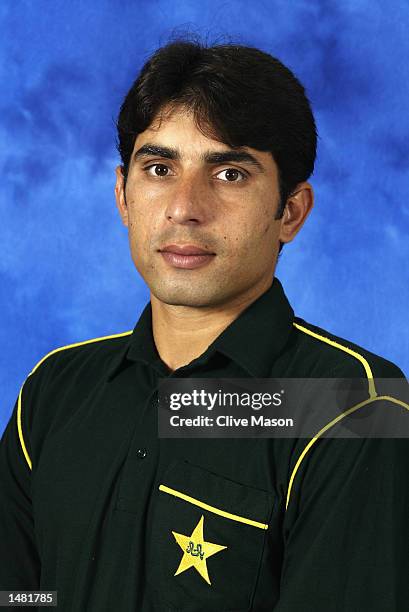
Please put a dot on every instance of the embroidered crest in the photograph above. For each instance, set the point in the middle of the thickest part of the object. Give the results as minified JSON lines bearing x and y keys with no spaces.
{"x":196,"y":551}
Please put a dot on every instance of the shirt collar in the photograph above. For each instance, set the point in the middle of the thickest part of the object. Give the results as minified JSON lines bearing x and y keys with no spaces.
{"x":253,"y":340}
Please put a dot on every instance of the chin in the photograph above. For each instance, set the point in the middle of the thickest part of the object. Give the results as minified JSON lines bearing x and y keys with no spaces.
{"x":183,"y":298}
{"x":177,"y":295}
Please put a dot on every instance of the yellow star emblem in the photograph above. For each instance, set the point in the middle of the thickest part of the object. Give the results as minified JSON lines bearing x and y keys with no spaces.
{"x":196,"y":551}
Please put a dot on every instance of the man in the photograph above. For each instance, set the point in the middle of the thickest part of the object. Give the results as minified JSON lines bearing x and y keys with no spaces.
{"x":217,"y":145}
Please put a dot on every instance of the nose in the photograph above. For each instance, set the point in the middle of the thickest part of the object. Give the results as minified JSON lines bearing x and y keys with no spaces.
{"x":188,"y":202}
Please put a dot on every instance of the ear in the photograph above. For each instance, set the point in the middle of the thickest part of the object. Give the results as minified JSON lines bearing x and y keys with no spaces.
{"x":120,"y":195}
{"x":297,"y":208}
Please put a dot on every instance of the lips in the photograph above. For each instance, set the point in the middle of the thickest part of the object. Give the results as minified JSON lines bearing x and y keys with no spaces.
{"x":185,"y":249}
{"x":186,"y":256}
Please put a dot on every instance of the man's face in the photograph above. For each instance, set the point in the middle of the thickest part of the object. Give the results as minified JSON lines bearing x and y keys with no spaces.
{"x":227,"y":208}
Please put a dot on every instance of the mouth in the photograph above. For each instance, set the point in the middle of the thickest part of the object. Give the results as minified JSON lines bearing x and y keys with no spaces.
{"x":186,"y":256}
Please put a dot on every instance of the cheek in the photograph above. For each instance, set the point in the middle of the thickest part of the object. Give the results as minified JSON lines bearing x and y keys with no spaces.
{"x":257,"y":226}
{"x":138,"y":216}
{"x":264,"y":224}
{"x":267,"y":228}
{"x":143,"y":232}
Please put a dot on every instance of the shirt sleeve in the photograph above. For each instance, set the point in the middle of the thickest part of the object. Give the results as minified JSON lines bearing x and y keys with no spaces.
{"x":346,"y":529}
{"x":19,"y":557}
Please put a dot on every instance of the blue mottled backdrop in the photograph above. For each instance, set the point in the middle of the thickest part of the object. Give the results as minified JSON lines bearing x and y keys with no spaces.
{"x":66,"y":274}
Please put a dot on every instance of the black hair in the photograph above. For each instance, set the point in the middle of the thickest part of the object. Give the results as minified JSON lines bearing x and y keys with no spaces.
{"x":239,"y":95}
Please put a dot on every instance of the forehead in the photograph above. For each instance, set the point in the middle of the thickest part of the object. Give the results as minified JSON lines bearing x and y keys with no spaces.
{"x":176,"y":128}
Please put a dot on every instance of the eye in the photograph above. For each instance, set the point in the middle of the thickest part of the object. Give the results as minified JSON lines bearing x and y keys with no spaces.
{"x":161,"y":171}
{"x":161,"y":166}
{"x":232,"y":173}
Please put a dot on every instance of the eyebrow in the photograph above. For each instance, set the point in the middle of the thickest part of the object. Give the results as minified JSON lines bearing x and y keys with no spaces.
{"x":209,"y":157}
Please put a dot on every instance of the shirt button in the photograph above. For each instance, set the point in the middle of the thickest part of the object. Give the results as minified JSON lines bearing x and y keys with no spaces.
{"x":141,"y":453}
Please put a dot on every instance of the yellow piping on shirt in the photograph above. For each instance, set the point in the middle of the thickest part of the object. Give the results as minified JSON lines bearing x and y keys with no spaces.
{"x":330,"y":424}
{"x":61,"y":348}
{"x":341,"y":347}
{"x":200,"y":504}
{"x":373,"y":396}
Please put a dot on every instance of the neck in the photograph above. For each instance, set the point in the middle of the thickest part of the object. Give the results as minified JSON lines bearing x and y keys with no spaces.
{"x":183,"y":333}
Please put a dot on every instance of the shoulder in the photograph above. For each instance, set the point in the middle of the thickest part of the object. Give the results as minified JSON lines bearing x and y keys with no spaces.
{"x":67,"y":369}
{"x":326,"y":354}
{"x":94,"y":353}
{"x":76,"y":363}
{"x":320,"y":353}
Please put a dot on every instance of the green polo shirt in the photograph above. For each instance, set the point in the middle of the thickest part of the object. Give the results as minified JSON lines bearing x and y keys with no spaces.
{"x":96,"y":506}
